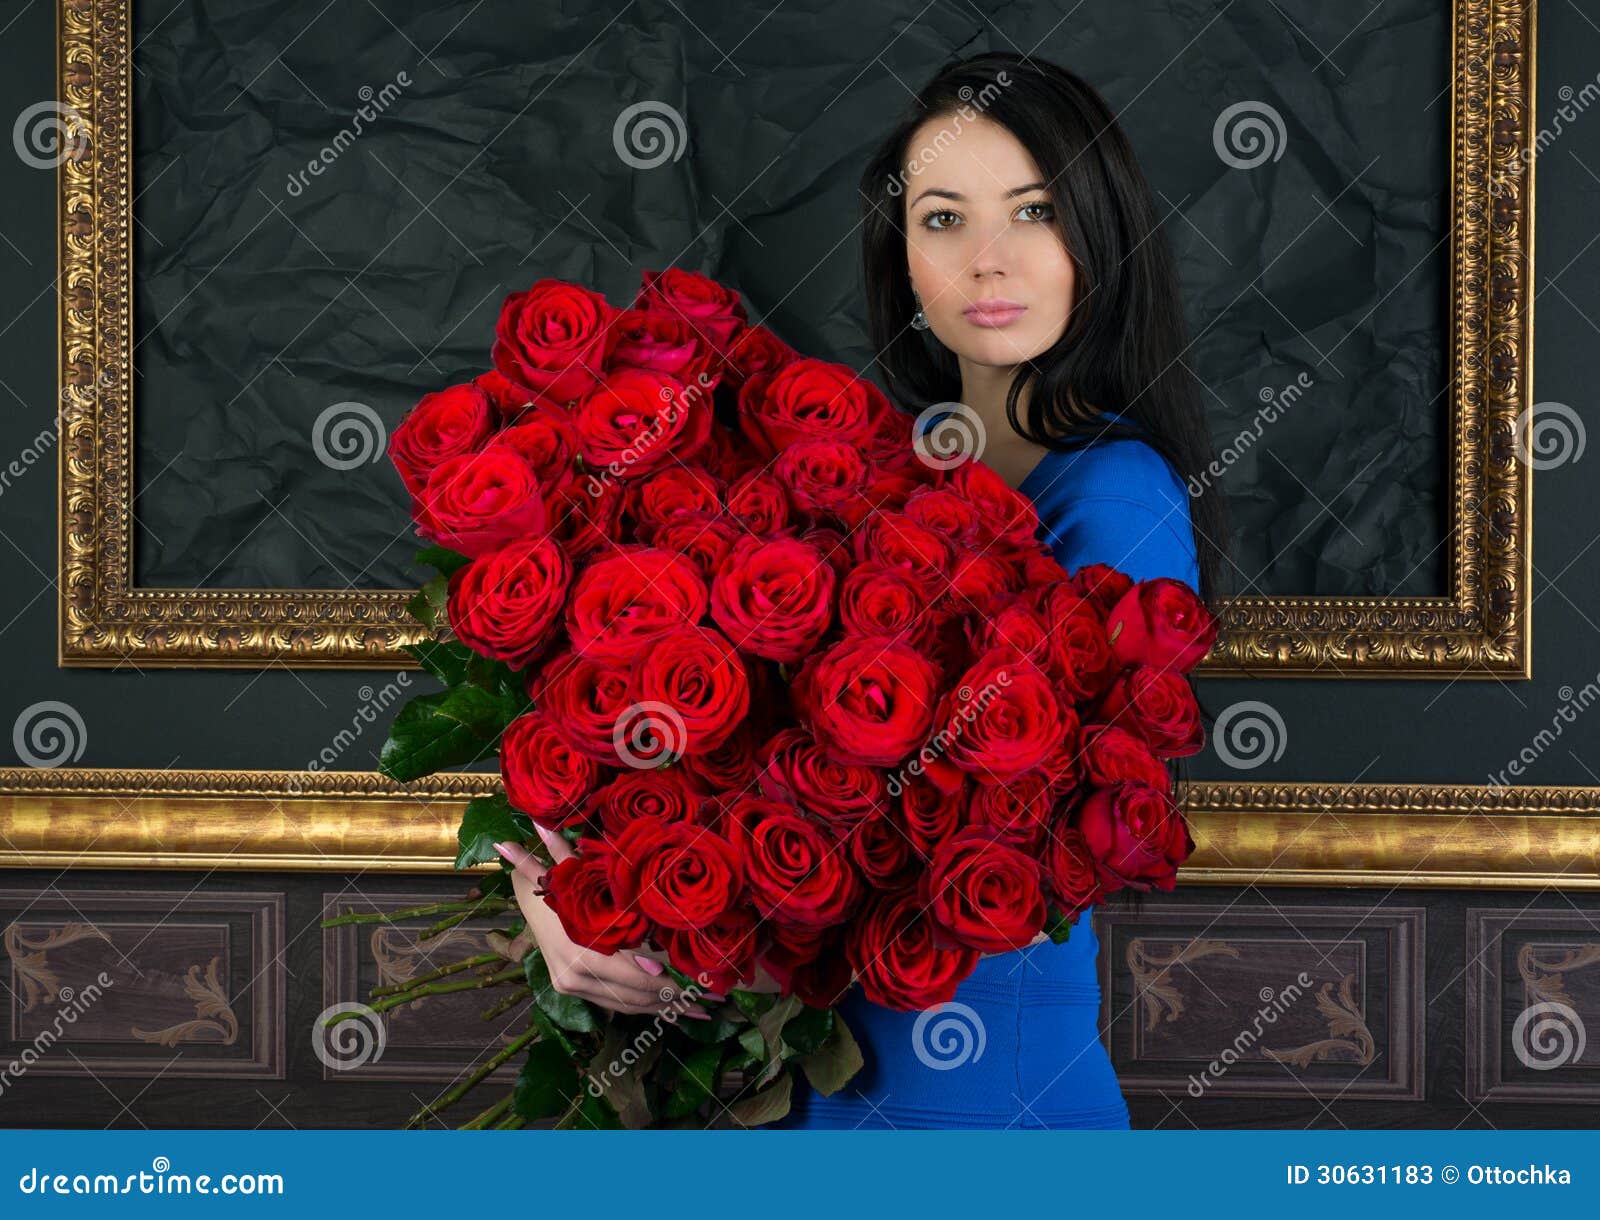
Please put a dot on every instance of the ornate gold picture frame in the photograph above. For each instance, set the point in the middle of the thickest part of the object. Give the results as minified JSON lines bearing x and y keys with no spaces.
{"x":1479,"y":628}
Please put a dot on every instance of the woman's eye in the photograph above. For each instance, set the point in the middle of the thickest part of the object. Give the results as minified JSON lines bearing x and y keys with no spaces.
{"x":932,"y":215}
{"x":1049,"y":211}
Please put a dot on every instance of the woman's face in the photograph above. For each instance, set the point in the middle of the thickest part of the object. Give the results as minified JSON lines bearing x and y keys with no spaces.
{"x":980,"y":228}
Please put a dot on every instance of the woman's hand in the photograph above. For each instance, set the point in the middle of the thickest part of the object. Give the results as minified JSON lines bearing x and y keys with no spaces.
{"x":630,"y":981}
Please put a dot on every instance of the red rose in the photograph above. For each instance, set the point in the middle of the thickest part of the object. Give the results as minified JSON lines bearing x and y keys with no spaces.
{"x":1136,"y":835}
{"x":671,"y":494}
{"x":585,"y":699}
{"x":668,"y":793}
{"x":1159,"y":705}
{"x":664,"y":343}
{"x":509,"y":398}
{"x":795,"y":871}
{"x":807,"y":400}
{"x":543,"y":776}
{"x":1018,"y":811}
{"x":931,"y":812}
{"x":892,"y":947}
{"x":824,"y":476}
{"x":477,"y":502}
{"x":694,"y":686}
{"x":755,"y":349}
{"x":636,"y":422}
{"x":546,"y":437}
{"x":1071,"y":871}
{"x":985,"y":893}
{"x":719,"y":956}
{"x":704,"y":542}
{"x":680,"y":874}
{"x":1003,"y":717}
{"x":878,"y":599}
{"x":895,"y":539}
{"x":553,"y":339}
{"x":815,"y":969}
{"x":505,"y":604}
{"x":442,"y":425}
{"x":1112,"y":755}
{"x":883,"y":851}
{"x":1161,"y":623}
{"x":758,"y":502}
{"x":728,"y":766}
{"x":627,"y":601}
{"x":1102,"y":584}
{"x":1081,"y":659}
{"x":867,"y":700}
{"x":1004,"y":513}
{"x":774,"y":599}
{"x":796,"y":770}
{"x":578,"y":889}
{"x":714,"y":310}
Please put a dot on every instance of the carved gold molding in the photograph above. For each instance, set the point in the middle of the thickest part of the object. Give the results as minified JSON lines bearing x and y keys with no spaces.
{"x":353,"y":821}
{"x":1479,"y":628}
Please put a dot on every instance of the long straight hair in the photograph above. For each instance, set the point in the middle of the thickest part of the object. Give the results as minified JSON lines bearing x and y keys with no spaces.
{"x":1125,"y":341}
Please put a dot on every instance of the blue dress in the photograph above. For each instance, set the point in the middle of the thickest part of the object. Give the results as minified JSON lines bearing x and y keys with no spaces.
{"x":1018,"y":1046}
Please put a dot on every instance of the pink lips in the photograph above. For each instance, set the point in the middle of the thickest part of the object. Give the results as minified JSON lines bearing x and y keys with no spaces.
{"x":994,"y":313}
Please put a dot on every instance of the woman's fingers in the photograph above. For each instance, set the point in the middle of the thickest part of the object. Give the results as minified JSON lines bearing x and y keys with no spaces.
{"x":558,"y":847}
{"x":521,"y":859}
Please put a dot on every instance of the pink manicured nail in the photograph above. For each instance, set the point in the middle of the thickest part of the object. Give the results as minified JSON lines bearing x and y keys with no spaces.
{"x":697,"y":1014}
{"x":647,"y":963}
{"x":712,"y":995}
{"x":517,"y":856}
{"x":547,"y":837}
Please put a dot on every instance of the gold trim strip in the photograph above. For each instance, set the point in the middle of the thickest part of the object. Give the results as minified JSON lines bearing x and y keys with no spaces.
{"x":1373,"y":835}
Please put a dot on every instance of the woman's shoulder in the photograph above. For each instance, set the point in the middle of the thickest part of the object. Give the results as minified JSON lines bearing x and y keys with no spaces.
{"x":1120,"y":468}
{"x":1117,"y":501}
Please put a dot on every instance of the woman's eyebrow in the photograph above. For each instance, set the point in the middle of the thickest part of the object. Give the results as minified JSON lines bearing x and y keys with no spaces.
{"x":960,"y":198}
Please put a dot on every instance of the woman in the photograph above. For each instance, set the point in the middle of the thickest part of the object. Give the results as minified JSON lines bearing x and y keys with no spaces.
{"x":1016,"y":276}
{"x":1016,"y":273}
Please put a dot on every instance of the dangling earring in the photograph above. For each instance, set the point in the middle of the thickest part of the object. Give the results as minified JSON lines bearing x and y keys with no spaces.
{"x":919,"y":320}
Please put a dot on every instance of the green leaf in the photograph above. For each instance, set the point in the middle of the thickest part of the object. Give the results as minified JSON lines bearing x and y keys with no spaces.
{"x":498,"y":678}
{"x":621,"y":1079}
{"x":422,"y":740}
{"x":830,"y":1067}
{"x":771,"y":1026}
{"x":807,"y":1030}
{"x":696,"y":1081}
{"x":547,"y":1083}
{"x":753,"y":1003}
{"x":446,"y":660}
{"x":441,"y":558}
{"x":428,"y":605}
{"x":485,"y":713}
{"x":489,"y":820}
{"x":596,"y":1114}
{"x":1058,"y":926}
{"x":750,"y":1038}
{"x":566,"y":1011}
{"x":767,"y":1106}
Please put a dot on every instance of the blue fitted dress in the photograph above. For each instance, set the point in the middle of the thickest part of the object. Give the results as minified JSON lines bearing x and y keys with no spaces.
{"x":1018,"y":1046}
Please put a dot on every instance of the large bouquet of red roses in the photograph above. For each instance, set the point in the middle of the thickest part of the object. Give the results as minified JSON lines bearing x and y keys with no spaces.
{"x":808,"y":700}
